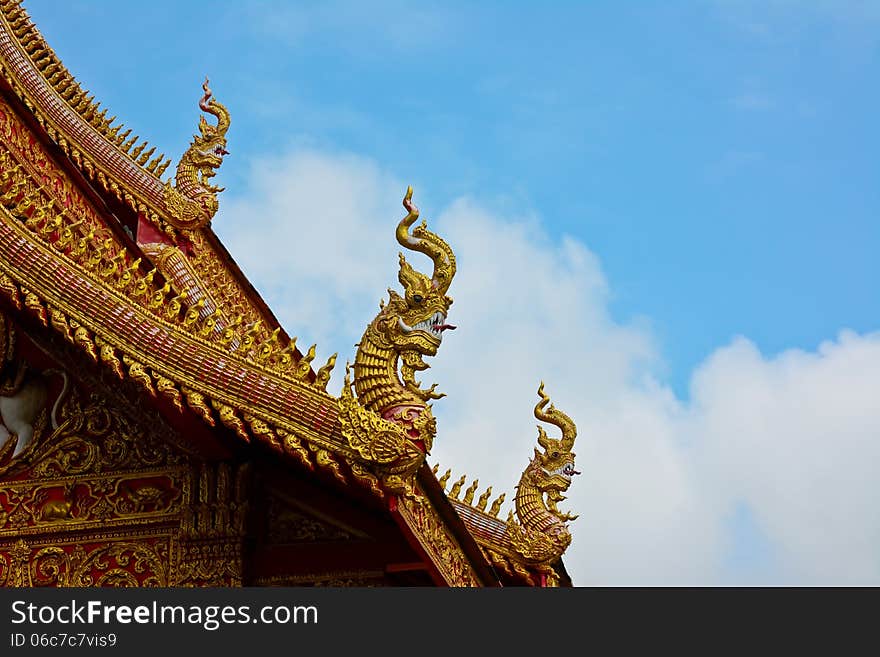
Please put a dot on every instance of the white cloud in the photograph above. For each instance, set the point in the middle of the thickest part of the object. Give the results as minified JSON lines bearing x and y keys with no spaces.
{"x":793,"y":437}
{"x":797,"y":438}
{"x":306,"y":236}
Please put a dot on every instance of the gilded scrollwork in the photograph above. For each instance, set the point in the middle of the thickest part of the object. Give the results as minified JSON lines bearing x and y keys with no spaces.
{"x":209,"y":563}
{"x":223,"y":287}
{"x":126,"y":562}
{"x":437,"y":541}
{"x":94,"y":436}
{"x":41,"y":506}
{"x":24,"y":161}
{"x":94,"y":267}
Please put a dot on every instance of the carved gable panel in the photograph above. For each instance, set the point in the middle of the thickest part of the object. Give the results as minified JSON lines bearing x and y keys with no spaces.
{"x":97,"y":489}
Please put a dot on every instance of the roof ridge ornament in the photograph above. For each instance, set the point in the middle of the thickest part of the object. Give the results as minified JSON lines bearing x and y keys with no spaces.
{"x":192,"y":201}
{"x":391,"y":415}
{"x":540,"y":532}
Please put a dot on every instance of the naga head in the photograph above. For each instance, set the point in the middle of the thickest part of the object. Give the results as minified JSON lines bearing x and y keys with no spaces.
{"x":551,"y":470}
{"x":415,"y":322}
{"x":542,"y":535}
{"x":209,"y":147}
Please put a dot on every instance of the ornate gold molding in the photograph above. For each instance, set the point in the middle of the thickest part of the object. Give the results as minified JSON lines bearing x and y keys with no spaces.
{"x":101,"y":561}
{"x":437,"y":541}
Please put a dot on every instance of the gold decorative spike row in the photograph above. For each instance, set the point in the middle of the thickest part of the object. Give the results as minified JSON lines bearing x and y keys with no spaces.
{"x":484,"y":499}
{"x":74,"y":234}
{"x":469,"y":494}
{"x":111,"y":263}
{"x":281,"y":359}
{"x":69,"y":90}
{"x":222,"y":287}
{"x":304,"y":365}
{"x":456,"y":488}
{"x":105,"y":263}
{"x":155,"y":383}
{"x":322,"y":377}
{"x":496,"y":506}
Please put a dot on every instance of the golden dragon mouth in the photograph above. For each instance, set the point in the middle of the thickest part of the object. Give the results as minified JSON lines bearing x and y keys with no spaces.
{"x":433,"y":326}
{"x":562,"y":473}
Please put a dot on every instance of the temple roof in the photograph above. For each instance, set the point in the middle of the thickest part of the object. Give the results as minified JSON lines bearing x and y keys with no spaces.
{"x":71,"y":116}
{"x":95,"y":246}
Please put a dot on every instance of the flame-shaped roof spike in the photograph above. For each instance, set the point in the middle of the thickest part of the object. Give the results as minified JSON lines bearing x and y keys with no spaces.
{"x":322,"y":376}
{"x":456,"y":488}
{"x":484,"y":499}
{"x":445,"y":478}
{"x":496,"y":505}
{"x":469,"y":493}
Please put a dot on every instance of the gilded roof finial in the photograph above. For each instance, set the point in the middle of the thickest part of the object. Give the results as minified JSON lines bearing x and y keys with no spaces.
{"x":392,"y":350}
{"x":496,"y":505}
{"x":469,"y":493}
{"x":541,"y":534}
{"x":456,"y":488}
{"x":192,"y":201}
{"x":484,"y":499}
{"x":322,"y":376}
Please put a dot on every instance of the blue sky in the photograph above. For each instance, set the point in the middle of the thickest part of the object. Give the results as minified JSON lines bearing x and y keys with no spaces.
{"x":718,"y":159}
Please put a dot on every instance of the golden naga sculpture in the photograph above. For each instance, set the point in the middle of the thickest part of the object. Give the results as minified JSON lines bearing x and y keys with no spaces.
{"x":542,"y":535}
{"x":192,"y":201}
{"x":390,"y":424}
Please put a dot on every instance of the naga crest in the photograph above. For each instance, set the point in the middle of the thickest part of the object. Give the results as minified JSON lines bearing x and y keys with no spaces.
{"x":192,"y":202}
{"x":552,"y":470}
{"x":391,"y":351}
{"x":541,"y":534}
{"x":408,"y":327}
{"x":415,"y":321}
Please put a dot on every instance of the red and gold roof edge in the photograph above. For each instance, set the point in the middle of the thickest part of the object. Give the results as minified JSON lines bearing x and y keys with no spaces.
{"x":165,"y":358}
{"x":490,"y":533}
{"x":71,"y":118}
